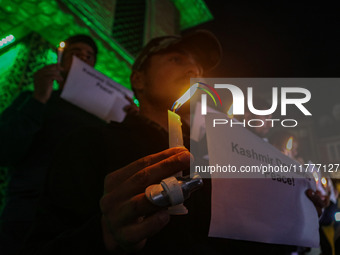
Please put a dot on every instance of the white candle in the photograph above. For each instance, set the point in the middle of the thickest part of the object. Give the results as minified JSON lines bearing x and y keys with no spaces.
{"x":175,"y":140}
{"x":175,"y":130}
{"x":176,"y":136}
{"x":60,"y":51}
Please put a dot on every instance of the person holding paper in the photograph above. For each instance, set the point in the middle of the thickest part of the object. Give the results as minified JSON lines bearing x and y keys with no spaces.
{"x":123,"y":159}
{"x":30,"y":129}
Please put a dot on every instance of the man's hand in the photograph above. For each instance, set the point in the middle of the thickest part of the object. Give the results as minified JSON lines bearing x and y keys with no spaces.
{"x":128,"y":217}
{"x":43,"y":81}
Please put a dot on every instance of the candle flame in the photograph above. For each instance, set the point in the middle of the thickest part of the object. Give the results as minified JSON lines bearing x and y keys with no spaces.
{"x":324,"y":181}
{"x":230,"y":111}
{"x":62,"y":45}
{"x":185,"y":97}
{"x":289,"y":145}
{"x":316,"y":177}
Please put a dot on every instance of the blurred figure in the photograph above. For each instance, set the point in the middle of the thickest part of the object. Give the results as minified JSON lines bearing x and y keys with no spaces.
{"x":288,"y":144}
{"x":329,"y":195}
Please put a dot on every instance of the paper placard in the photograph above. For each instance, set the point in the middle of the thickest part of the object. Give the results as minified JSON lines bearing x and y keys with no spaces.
{"x":95,"y":93}
{"x":266,"y":209}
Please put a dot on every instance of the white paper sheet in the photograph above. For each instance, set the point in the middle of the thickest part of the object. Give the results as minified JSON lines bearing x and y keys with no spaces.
{"x":262,"y":210}
{"x":95,"y":93}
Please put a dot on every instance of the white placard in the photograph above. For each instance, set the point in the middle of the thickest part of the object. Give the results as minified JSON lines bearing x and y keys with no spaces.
{"x":269,"y":209}
{"x":95,"y":93}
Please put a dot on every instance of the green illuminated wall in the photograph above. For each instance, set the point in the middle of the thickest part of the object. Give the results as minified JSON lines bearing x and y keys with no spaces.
{"x":192,"y":12}
{"x":48,"y":19}
{"x":55,"y":20}
{"x":19,"y":62}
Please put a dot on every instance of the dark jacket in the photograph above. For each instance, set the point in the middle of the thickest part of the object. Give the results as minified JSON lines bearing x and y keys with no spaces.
{"x":69,"y":219}
{"x":29,"y":134}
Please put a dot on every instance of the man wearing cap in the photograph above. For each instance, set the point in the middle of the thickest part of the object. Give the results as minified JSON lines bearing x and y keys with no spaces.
{"x":94,"y":201}
{"x":30,"y":129}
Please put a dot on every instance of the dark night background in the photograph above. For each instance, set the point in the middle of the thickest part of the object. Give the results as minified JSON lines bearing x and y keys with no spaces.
{"x":276,"y":39}
{"x":280,"y":39}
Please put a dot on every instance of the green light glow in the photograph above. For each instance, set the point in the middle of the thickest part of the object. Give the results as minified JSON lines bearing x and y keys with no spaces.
{"x":7,"y":40}
{"x":193,"y":12}
{"x":8,"y":58}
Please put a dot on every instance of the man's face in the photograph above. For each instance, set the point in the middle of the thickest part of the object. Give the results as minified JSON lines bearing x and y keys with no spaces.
{"x":81,"y":50}
{"x":168,"y":77}
{"x":263,"y":130}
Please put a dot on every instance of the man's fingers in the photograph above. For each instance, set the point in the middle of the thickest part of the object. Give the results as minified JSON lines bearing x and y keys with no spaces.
{"x":155,"y":173}
{"x":134,"y":208}
{"x":46,"y":82}
{"x":48,"y":73}
{"x":56,"y":67}
{"x":131,"y":109}
{"x":131,"y":237}
{"x":44,"y":79}
{"x":49,"y":68}
{"x":116,"y":178}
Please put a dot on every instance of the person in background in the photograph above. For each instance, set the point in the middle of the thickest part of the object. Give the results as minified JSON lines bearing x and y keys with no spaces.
{"x":324,"y":188}
{"x":30,"y":129}
{"x":279,"y":139}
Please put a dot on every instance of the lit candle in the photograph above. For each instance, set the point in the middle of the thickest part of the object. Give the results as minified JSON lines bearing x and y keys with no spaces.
{"x":176,"y":136}
{"x":60,"y":51}
{"x":289,"y":146}
{"x":174,"y":120}
{"x":316,"y":177}
{"x":324,"y":182}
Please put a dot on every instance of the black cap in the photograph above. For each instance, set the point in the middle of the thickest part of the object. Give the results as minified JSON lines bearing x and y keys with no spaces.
{"x":84,"y":39}
{"x":201,"y":43}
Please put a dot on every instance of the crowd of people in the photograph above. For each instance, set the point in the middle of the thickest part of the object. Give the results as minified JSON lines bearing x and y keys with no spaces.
{"x":77,"y":184}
